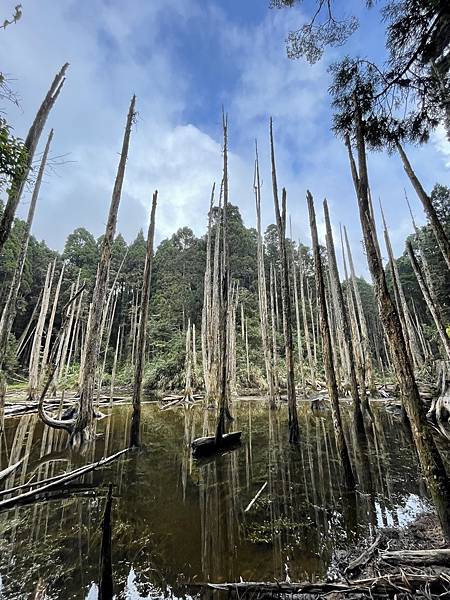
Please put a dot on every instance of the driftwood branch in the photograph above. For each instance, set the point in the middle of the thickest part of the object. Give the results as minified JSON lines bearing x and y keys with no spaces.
{"x":4,"y":474}
{"x":62,"y":480}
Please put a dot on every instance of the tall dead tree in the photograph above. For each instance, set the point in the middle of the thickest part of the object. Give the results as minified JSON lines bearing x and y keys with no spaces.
{"x":309,"y":350}
{"x":402,"y":305}
{"x":436,"y":225}
{"x":294,"y":432}
{"x":428,"y":299}
{"x":141,"y":341}
{"x":262,"y":296}
{"x":9,"y":310}
{"x":362,"y":323}
{"x":35,"y":355}
{"x":207,"y":289}
{"x":429,"y":457}
{"x":83,"y":428}
{"x":30,"y":144}
{"x":346,"y":331}
{"x":223,"y":410}
{"x":328,"y":350}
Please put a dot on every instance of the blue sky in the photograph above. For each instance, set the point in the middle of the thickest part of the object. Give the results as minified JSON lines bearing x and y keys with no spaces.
{"x":184,"y":59}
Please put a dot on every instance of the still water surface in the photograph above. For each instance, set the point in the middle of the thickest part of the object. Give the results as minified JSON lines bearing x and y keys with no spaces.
{"x":178,"y":520}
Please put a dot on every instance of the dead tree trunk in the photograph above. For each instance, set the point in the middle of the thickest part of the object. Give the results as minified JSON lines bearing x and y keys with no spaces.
{"x":294,"y":432}
{"x":83,"y":430}
{"x":309,"y":351}
{"x":223,"y":410}
{"x":207,"y":300}
{"x":9,"y":310}
{"x":48,"y":337}
{"x":362,"y":324}
{"x":37,"y":341}
{"x":328,"y":350}
{"x":262,"y":297}
{"x":141,"y":342}
{"x":403,"y":309}
{"x":436,"y":225}
{"x":30,"y":144}
{"x":429,"y":457}
{"x":428,"y":299}
{"x":334,"y":273}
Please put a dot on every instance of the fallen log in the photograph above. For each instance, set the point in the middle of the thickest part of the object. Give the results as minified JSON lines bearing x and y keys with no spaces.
{"x":364,"y":557}
{"x":55,"y":483}
{"x":420,"y":558}
{"x":205,"y":446}
{"x":382,"y":585}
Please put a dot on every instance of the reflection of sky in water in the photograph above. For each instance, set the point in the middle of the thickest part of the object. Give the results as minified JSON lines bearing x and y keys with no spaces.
{"x":410,"y":508}
{"x":177,"y":520}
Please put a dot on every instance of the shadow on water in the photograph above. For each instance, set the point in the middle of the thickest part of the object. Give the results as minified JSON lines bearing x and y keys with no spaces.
{"x":176,"y":519}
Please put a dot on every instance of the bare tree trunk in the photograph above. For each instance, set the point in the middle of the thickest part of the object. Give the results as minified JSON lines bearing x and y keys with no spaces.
{"x":51,"y":322}
{"x":428,"y":299}
{"x":327,"y":349}
{"x":207,"y":301}
{"x":84,"y":426}
{"x":294,"y":432}
{"x":403,"y":309}
{"x":273,"y":323}
{"x":262,"y":296}
{"x":30,"y":144}
{"x":37,"y":341}
{"x":309,"y":352}
{"x":334,"y":273}
{"x":114,"y":367}
{"x":223,"y":410}
{"x":430,"y":460}
{"x":140,"y":354}
{"x":9,"y":310}
{"x":436,"y":225}
{"x":366,"y":351}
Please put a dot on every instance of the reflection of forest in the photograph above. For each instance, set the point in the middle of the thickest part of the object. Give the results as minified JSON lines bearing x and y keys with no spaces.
{"x":176,"y":519}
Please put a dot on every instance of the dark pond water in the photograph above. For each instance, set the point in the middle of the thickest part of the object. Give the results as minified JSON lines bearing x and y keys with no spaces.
{"x":178,"y":520}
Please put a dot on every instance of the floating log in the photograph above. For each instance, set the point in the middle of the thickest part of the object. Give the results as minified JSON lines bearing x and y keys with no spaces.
{"x":205,"y":446}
